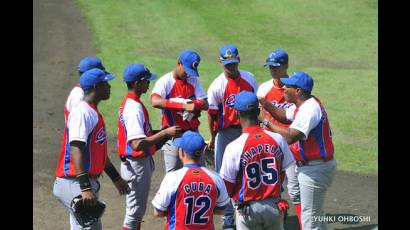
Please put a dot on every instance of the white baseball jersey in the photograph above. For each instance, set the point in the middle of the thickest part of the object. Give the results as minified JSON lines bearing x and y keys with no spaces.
{"x":168,"y":87}
{"x":221,"y":96}
{"x":189,"y":195}
{"x":76,"y":95}
{"x":254,"y":161}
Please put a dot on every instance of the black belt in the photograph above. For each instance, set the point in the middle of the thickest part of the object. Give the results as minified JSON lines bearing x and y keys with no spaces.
{"x":304,"y":163}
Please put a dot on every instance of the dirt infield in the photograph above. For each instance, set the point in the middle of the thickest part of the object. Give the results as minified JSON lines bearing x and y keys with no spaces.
{"x":60,"y":40}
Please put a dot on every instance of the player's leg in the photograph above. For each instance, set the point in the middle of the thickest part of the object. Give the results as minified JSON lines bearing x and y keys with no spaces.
{"x":136,"y":200}
{"x":171,"y":158}
{"x":222,"y":139}
{"x":294,"y":190}
{"x":247,"y":219}
{"x":314,"y":182}
{"x":272,"y":217}
{"x":66,"y":189}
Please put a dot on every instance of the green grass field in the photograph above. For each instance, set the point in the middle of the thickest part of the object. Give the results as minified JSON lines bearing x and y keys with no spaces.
{"x":334,"y":41}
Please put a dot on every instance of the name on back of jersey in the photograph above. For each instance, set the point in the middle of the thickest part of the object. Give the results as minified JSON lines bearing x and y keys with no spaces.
{"x":197,"y":187}
{"x":275,"y":151}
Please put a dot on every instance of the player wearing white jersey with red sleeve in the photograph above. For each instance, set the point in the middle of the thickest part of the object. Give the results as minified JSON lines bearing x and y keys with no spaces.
{"x":222,"y":120}
{"x":84,"y":153}
{"x":315,"y":161}
{"x":190,"y":196}
{"x":253,"y":169}
{"x":136,"y":143}
{"x":272,"y":91}
{"x":181,"y":98}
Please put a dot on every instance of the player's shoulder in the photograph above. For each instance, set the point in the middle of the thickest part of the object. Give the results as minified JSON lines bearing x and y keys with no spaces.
{"x":247,"y":74}
{"x":311,"y":105}
{"x":237,"y":144}
{"x":166,"y":78}
{"x":276,"y":136}
{"x":265,"y":87}
{"x":132,"y":105}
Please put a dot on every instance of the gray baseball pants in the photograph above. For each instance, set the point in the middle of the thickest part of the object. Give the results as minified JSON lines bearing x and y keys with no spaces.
{"x":65,"y":189}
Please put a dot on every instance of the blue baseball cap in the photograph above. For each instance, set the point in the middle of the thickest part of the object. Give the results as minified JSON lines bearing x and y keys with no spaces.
{"x":94,"y":76}
{"x":299,"y":79}
{"x":246,"y":101}
{"x":277,"y":58}
{"x":190,"y":60}
{"x":229,"y":54}
{"x":137,"y":72}
{"x":88,"y":63}
{"x":191,"y":142}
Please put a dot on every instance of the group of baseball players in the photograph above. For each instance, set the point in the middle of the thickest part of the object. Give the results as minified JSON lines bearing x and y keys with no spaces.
{"x":261,"y":137}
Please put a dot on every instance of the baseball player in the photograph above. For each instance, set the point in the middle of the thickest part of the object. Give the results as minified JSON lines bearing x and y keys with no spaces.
{"x":272,"y":92}
{"x":190,"y":196}
{"x":253,"y":168}
{"x":315,"y":162}
{"x":84,"y":153}
{"x":181,"y":98}
{"x":136,"y":143}
{"x":222,"y":120}
{"x":77,"y":93}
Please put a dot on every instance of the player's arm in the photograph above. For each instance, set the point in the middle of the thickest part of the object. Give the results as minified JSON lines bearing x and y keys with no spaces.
{"x":158,"y":213}
{"x":161,"y":103}
{"x":278,"y":114}
{"x":141,"y":144}
{"x":213,"y":126}
{"x":115,"y":177}
{"x":291,"y":135}
{"x":78,"y":156}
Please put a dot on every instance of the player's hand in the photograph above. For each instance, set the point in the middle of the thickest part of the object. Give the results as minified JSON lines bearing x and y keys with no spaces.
{"x":211,"y":143}
{"x":122,"y":186}
{"x":89,"y":199}
{"x":189,"y":107}
{"x":283,"y":205}
{"x":174,"y":131}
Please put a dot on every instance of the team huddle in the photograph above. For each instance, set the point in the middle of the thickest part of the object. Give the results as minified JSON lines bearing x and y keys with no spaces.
{"x":262,"y":138}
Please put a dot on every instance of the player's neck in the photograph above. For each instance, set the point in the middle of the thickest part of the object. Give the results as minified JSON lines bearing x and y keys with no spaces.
{"x":92,"y":100}
{"x":232,"y":76}
{"x":245,"y":123}
{"x":302,"y":100}
{"x":136,"y":92}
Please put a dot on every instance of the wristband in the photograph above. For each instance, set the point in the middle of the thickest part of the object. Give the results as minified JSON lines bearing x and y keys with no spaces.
{"x":199,"y":104}
{"x":112,"y":173}
{"x":85,"y":184}
{"x":173,"y":105}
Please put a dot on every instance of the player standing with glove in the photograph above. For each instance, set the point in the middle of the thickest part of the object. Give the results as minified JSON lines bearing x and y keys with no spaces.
{"x":84,"y":154}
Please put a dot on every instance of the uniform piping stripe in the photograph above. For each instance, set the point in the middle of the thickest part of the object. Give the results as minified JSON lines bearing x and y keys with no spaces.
{"x":88,"y":153}
{"x":67,"y":154}
{"x":221,"y":112}
{"x":302,"y":149}
{"x":318,"y":135}
{"x":172,"y":213}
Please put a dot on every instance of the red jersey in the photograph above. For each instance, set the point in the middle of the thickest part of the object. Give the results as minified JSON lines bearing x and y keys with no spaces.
{"x":189,"y":195}
{"x":168,"y":88}
{"x":311,"y":119}
{"x":84,"y":124}
{"x":253,"y":163}
{"x":133,"y":123}
{"x":221,"y":97}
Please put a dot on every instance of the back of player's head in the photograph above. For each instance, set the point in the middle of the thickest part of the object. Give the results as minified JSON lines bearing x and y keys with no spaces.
{"x":191,"y":143}
{"x":247,"y":104}
{"x":88,"y":63}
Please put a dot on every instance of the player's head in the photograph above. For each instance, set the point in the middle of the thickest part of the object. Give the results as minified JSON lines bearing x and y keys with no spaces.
{"x":229,"y":58}
{"x":187,"y":65}
{"x":277,"y":61}
{"x":137,"y":77}
{"x":190,"y":145}
{"x":88,"y":63}
{"x":247,"y":106}
{"x":95,"y":82}
{"x":298,"y":85}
